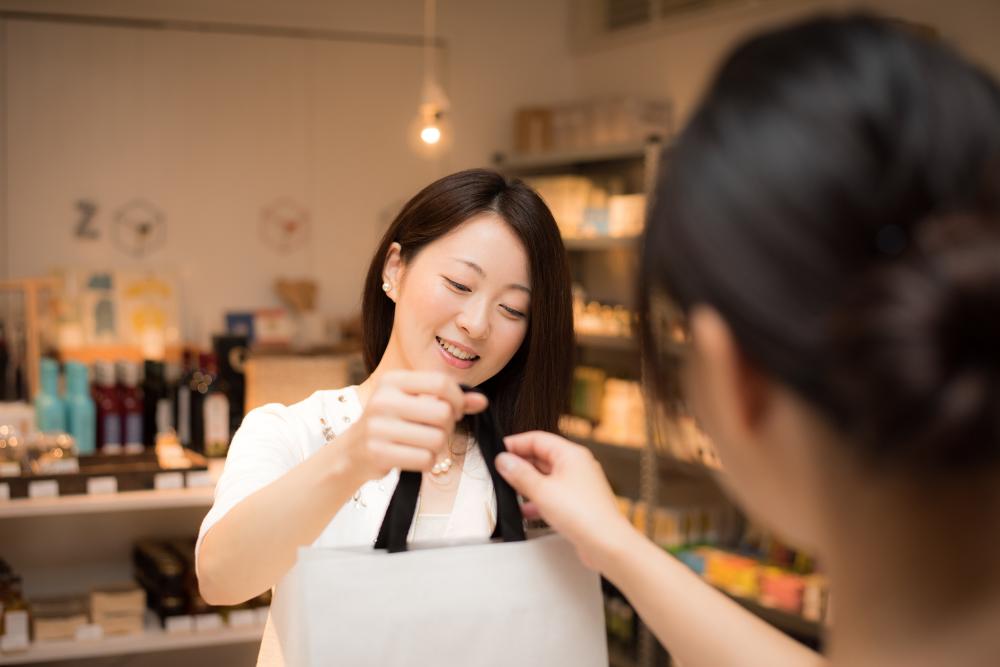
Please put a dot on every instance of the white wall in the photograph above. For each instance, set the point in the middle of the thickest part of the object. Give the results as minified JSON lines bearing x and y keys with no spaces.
{"x":213,"y":127}
{"x":677,"y":63}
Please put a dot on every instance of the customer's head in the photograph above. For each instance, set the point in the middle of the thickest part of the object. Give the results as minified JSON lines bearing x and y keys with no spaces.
{"x":478,"y":287}
{"x":829,"y":224}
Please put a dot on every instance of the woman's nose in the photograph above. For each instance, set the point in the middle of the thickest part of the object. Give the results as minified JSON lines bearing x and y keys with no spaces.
{"x":474,"y":320}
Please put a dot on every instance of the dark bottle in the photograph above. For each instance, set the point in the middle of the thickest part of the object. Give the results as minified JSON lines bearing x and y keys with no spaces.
{"x":4,"y":362}
{"x":214,"y":408}
{"x":155,"y":402}
{"x":182,"y":398}
{"x":131,"y":402}
{"x":109,"y":409}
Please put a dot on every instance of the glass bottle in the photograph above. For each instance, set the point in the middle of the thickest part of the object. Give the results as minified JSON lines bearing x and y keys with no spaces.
{"x":131,"y":402}
{"x":81,"y":413}
{"x":109,"y":409}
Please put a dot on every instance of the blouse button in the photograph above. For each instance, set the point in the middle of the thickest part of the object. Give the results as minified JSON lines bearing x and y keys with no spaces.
{"x":342,"y":398}
{"x":347,"y":420}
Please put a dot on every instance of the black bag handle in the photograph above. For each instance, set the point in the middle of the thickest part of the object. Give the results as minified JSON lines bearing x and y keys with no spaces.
{"x":403,"y":504}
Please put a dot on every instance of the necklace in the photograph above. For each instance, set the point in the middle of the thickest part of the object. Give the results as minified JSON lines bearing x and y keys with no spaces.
{"x":444,"y":465}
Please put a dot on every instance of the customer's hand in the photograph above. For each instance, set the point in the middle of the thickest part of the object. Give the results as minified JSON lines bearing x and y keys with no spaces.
{"x":408,"y":423}
{"x":566,"y":486}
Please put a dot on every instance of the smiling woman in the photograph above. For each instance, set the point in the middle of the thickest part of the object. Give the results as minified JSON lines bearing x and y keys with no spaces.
{"x":470,"y":286}
{"x":479,"y":288}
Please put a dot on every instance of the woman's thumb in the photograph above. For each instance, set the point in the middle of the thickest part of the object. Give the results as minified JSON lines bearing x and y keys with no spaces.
{"x":520,"y":474}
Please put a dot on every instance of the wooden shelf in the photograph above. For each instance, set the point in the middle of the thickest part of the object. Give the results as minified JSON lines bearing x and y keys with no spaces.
{"x":599,"y":243}
{"x":152,"y":640}
{"x":623,"y":343}
{"x":612,"y":153}
{"x":126,"y":501}
{"x":629,"y":455}
{"x":793,"y":624}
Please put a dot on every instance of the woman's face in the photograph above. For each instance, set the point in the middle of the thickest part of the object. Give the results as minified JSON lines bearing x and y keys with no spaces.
{"x":462,"y":302}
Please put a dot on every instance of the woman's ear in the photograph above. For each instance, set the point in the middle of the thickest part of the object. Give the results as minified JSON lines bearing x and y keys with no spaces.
{"x":734,"y":393}
{"x":392,"y":271}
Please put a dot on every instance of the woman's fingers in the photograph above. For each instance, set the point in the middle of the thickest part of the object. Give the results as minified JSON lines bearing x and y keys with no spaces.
{"x":410,"y":434}
{"x":475,"y":403}
{"x":423,"y":409}
{"x":392,"y":455}
{"x":540,"y":446}
{"x":418,"y":383}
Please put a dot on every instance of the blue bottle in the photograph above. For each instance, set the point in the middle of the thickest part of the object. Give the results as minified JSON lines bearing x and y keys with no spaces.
{"x":81,"y":413}
{"x":50,"y":413}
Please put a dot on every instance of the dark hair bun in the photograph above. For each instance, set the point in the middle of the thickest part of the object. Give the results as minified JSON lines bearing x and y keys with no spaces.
{"x":920,"y":339}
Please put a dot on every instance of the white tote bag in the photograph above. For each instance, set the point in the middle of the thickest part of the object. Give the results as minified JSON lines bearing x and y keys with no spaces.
{"x":523,"y":604}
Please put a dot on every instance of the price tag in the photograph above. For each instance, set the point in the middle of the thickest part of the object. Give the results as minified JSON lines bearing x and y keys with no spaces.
{"x":262,"y":613}
{"x":102,"y":485}
{"x":164,"y":481}
{"x":242,"y":618}
{"x":207,"y":622}
{"x":10,"y":469}
{"x":178,"y":625}
{"x":199,"y":479}
{"x":5,"y":491}
{"x":43,"y":488}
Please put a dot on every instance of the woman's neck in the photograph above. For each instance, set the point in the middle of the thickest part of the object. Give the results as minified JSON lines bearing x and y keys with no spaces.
{"x":915,"y":573}
{"x":391,"y":361}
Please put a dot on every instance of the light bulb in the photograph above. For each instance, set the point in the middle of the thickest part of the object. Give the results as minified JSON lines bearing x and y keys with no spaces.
{"x":430,"y":131}
{"x":430,"y":134}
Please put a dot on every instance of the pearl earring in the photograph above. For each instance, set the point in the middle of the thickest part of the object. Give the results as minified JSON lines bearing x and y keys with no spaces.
{"x":386,"y":287}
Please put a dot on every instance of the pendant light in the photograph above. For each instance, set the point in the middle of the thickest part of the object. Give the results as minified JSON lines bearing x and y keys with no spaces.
{"x":430,"y":132}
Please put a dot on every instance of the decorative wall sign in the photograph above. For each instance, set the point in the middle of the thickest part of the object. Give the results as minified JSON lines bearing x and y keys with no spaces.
{"x":84,"y":227}
{"x":284,"y":225}
{"x":139,"y":228}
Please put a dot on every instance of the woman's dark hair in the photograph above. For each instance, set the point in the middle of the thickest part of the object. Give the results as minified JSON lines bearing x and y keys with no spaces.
{"x":532,"y":390}
{"x":835,"y":198}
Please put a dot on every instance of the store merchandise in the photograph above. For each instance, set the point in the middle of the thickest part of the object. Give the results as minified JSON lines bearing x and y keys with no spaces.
{"x":4,"y":362}
{"x":12,"y":452}
{"x":231,"y":352}
{"x":110,"y":413}
{"x":15,"y":620}
{"x":182,"y":396}
{"x":215,"y":413}
{"x":597,"y":319}
{"x":604,"y":121}
{"x":58,"y":618}
{"x":51,"y":454}
{"x":157,"y":411}
{"x":81,"y":412}
{"x":165,"y":569}
{"x":118,"y":610}
{"x":626,"y":215}
{"x":587,"y":394}
{"x":132,"y":407}
{"x":623,"y":414}
{"x":50,"y":412}
{"x":19,"y":415}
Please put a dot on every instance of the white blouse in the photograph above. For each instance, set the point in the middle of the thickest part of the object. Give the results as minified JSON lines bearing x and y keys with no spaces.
{"x":275,"y":438}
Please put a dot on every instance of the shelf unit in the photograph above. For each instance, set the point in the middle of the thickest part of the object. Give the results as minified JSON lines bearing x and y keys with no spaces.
{"x":601,"y":243}
{"x":605,"y":266}
{"x":636,"y":472}
{"x":563,"y":160}
{"x":126,"y":501}
{"x":50,"y":541}
{"x":154,"y":639}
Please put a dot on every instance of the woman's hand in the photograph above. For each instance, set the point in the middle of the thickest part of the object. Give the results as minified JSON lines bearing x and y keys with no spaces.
{"x":566,"y":486}
{"x":408,"y":423}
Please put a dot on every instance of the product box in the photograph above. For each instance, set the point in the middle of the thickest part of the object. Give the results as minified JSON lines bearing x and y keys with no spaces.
{"x":58,"y":618}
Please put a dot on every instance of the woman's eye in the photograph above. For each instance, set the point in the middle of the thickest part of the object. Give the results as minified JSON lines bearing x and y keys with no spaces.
{"x":514,"y":313}
{"x":458,"y":286}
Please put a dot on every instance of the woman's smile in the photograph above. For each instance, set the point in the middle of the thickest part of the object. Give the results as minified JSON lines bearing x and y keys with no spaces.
{"x":456,"y":354}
